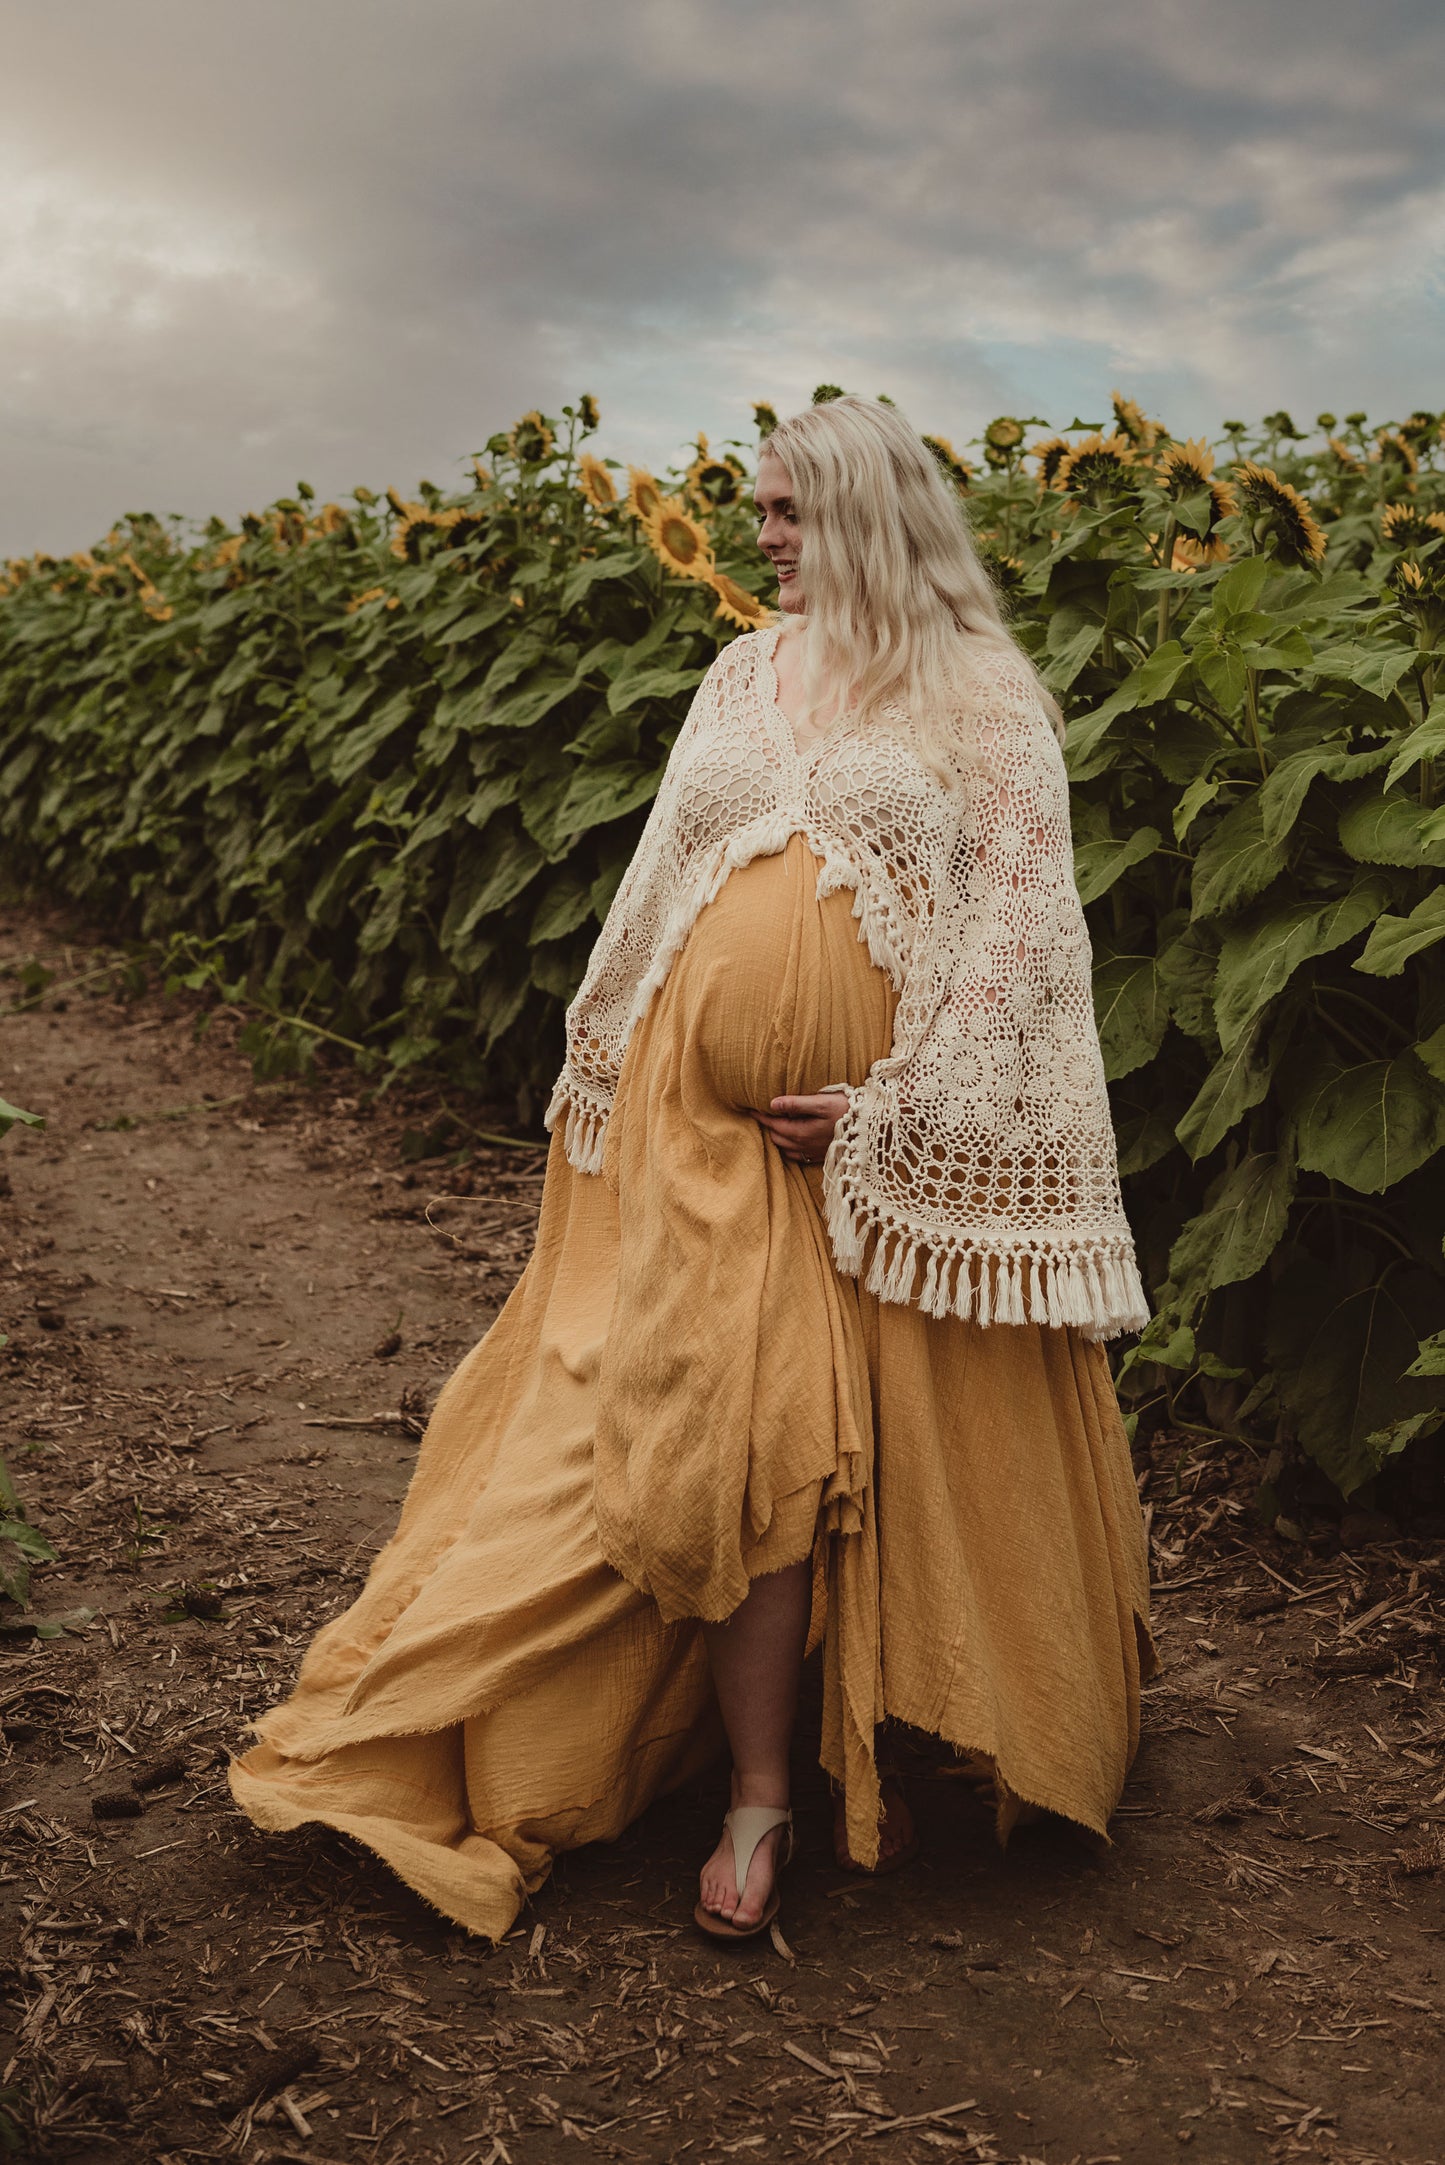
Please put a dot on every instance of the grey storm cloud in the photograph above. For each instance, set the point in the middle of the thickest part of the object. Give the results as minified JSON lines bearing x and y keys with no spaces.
{"x":348,"y":240}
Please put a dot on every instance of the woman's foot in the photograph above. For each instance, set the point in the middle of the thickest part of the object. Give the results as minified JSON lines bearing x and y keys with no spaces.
{"x":718,"y":1887}
{"x":896,"y":1832}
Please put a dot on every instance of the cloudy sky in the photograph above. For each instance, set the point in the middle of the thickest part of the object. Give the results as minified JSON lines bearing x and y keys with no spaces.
{"x":347,"y":239}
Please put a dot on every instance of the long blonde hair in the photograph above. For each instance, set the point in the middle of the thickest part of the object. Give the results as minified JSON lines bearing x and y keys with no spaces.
{"x":895,"y":592}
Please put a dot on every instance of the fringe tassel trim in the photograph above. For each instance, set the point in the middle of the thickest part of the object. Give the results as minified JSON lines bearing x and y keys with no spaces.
{"x":1093,"y":1283}
{"x":584,"y":1124}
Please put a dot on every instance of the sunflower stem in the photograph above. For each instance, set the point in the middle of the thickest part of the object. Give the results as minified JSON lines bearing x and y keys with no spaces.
{"x":1166,"y":559}
{"x":1251,"y":700}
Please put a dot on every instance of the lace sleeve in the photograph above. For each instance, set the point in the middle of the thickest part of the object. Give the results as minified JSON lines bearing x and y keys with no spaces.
{"x":979,"y":1152}
{"x":600,"y":1013}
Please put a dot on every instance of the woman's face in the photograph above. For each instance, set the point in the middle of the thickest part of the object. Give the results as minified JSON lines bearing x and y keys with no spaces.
{"x":778,"y":528}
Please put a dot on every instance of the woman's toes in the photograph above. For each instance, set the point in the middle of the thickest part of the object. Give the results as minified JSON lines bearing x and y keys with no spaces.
{"x":717,"y":1890}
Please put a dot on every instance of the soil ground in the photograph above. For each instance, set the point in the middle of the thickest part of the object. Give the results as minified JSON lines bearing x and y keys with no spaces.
{"x":228,"y":1308}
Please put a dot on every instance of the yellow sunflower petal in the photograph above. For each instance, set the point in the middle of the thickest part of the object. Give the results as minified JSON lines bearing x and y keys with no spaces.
{"x":643,"y":492}
{"x":678,"y":541}
{"x":596,"y":483}
{"x":737,"y":606}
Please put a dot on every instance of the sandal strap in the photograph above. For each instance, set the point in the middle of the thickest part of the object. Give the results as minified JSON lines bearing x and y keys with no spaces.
{"x":747,"y":1824}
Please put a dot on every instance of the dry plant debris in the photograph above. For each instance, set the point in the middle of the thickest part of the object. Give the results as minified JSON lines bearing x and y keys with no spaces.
{"x":198,"y":1409}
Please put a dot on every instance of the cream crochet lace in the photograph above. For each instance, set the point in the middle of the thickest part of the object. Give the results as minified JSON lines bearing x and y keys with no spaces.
{"x":975,"y":1170}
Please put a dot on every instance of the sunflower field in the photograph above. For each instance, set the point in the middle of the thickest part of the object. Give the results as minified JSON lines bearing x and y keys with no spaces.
{"x":374,"y":770}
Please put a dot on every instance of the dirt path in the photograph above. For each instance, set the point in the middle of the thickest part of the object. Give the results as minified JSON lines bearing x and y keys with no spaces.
{"x":193,"y":1276}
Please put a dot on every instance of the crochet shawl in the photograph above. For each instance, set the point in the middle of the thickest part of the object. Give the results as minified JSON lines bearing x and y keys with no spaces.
{"x":975,"y":1170}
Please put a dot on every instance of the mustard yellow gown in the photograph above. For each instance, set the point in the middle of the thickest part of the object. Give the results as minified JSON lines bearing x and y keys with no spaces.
{"x":681,"y":1393}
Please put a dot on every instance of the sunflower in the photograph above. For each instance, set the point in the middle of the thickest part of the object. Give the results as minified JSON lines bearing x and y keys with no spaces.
{"x":456,"y":525}
{"x":1345,"y":457}
{"x":1098,"y":463}
{"x":735,"y":605}
{"x":330,"y":519}
{"x":957,"y":470}
{"x":1182,"y":468}
{"x":1396,"y":450}
{"x":1004,"y":434}
{"x":1049,"y":453}
{"x":531,"y":440}
{"x":595,"y":483}
{"x":373,"y":593}
{"x":1008,"y":573}
{"x":1422,"y":427}
{"x":643,"y":493}
{"x":765,"y":416}
{"x":587,"y":411}
{"x":406,"y":538}
{"x":1190,"y":552}
{"x":713,"y":482}
{"x":403,"y":508}
{"x":1420,"y":591}
{"x":677,"y":540}
{"x":1133,"y":423}
{"x":1404,"y":526}
{"x":1279,"y":508}
{"x":460,"y":525}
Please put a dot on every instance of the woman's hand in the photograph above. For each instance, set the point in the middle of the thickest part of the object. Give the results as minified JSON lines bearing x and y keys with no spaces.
{"x":802,"y":1127}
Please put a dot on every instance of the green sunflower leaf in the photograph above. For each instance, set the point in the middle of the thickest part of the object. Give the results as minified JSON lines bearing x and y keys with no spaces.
{"x":1369,"y":1125}
{"x":1236,"y":862}
{"x":1389,"y":828}
{"x":1201,"y":791}
{"x":11,"y":1116}
{"x":1395,"y":939}
{"x":1430,"y":1358}
{"x":1242,"y":1223}
{"x":1261,"y":952}
{"x":1425,"y":742}
{"x":1237,"y":1082}
{"x":1097,"y":865}
{"x":1131,"y":1010}
{"x":1339,"y":1339}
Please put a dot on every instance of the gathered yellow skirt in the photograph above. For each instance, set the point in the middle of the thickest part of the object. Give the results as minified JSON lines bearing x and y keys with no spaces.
{"x":681,"y":1393}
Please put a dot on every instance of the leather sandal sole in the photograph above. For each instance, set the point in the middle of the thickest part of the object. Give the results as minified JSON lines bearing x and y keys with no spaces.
{"x":719,"y":1928}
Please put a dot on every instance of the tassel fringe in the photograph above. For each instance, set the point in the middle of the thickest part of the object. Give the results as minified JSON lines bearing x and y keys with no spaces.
{"x":584,"y":1126}
{"x":1094,"y":1287}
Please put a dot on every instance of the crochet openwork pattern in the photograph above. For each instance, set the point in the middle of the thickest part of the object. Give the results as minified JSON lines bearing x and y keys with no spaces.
{"x":975,"y":1170}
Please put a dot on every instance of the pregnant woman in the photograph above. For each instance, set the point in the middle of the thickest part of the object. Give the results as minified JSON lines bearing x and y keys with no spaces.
{"x":809,"y":1350}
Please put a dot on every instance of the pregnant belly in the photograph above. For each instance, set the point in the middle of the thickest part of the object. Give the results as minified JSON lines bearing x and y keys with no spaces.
{"x":777,"y":994}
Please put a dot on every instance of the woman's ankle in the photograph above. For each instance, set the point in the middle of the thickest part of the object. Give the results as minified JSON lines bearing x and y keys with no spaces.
{"x":771,"y":1791}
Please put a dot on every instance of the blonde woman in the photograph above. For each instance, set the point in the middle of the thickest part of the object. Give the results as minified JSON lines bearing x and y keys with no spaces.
{"x":809,"y":1352}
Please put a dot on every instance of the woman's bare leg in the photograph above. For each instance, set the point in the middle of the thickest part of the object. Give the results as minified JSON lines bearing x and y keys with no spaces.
{"x":757,"y":1659}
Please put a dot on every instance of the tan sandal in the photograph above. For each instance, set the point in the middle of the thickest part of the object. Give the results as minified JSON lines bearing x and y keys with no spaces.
{"x":747,"y":1824}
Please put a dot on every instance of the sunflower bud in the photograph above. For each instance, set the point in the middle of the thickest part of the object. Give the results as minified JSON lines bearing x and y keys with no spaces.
{"x":765,"y":416}
{"x":587,"y":412}
{"x":532,"y":440}
{"x":826,"y":393}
